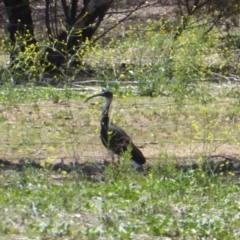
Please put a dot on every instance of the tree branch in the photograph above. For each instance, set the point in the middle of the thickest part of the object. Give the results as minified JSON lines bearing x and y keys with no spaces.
{"x":73,"y":10}
{"x":120,"y":21}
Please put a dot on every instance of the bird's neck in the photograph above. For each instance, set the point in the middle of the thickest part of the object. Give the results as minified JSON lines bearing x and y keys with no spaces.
{"x":105,"y":112}
{"x":105,"y":119}
{"x":104,"y":130}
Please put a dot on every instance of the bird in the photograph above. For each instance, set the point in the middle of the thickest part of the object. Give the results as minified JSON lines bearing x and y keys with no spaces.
{"x":116,"y":139}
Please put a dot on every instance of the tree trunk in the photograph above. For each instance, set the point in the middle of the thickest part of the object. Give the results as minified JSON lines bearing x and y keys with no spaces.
{"x":20,"y":19}
{"x":20,"y":24}
{"x":86,"y":22}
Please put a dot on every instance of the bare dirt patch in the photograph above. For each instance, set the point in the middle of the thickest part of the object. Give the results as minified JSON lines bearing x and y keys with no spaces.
{"x":69,"y":130}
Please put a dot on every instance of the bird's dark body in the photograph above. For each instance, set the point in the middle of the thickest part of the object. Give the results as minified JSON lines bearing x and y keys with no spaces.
{"x":118,"y":142}
{"x":113,"y":137}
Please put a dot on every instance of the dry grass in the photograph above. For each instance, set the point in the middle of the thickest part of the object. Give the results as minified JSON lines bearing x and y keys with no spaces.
{"x":69,"y":130}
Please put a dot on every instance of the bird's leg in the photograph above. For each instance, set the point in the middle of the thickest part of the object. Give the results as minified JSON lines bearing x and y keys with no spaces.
{"x":111,"y":154}
{"x":137,"y":166}
{"x":118,"y":159}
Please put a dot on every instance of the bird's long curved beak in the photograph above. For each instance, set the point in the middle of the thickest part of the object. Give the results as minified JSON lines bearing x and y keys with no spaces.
{"x":96,"y":95}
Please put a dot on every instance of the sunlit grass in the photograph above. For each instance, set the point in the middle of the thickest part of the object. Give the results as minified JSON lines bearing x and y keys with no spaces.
{"x":164,"y":203}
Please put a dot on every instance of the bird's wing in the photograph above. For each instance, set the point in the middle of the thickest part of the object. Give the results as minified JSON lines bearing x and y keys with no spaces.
{"x":120,"y":142}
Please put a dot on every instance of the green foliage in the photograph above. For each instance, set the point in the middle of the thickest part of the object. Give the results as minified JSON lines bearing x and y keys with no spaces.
{"x":155,"y":63}
{"x":165,"y":202}
{"x":144,"y":58}
{"x":29,"y":62}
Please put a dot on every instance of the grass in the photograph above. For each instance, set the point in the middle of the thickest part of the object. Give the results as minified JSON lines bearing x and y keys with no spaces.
{"x":166,"y":202}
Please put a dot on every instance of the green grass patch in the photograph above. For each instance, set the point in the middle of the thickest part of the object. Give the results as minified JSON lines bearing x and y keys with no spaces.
{"x":166,"y":202}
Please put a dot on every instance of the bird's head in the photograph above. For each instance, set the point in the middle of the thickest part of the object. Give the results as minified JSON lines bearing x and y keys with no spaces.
{"x":108,"y":95}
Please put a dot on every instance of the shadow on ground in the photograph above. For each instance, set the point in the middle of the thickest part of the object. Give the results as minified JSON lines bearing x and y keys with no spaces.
{"x":213,"y":164}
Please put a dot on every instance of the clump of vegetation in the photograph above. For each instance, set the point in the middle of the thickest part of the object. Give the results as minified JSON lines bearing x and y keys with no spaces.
{"x":158,"y":63}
